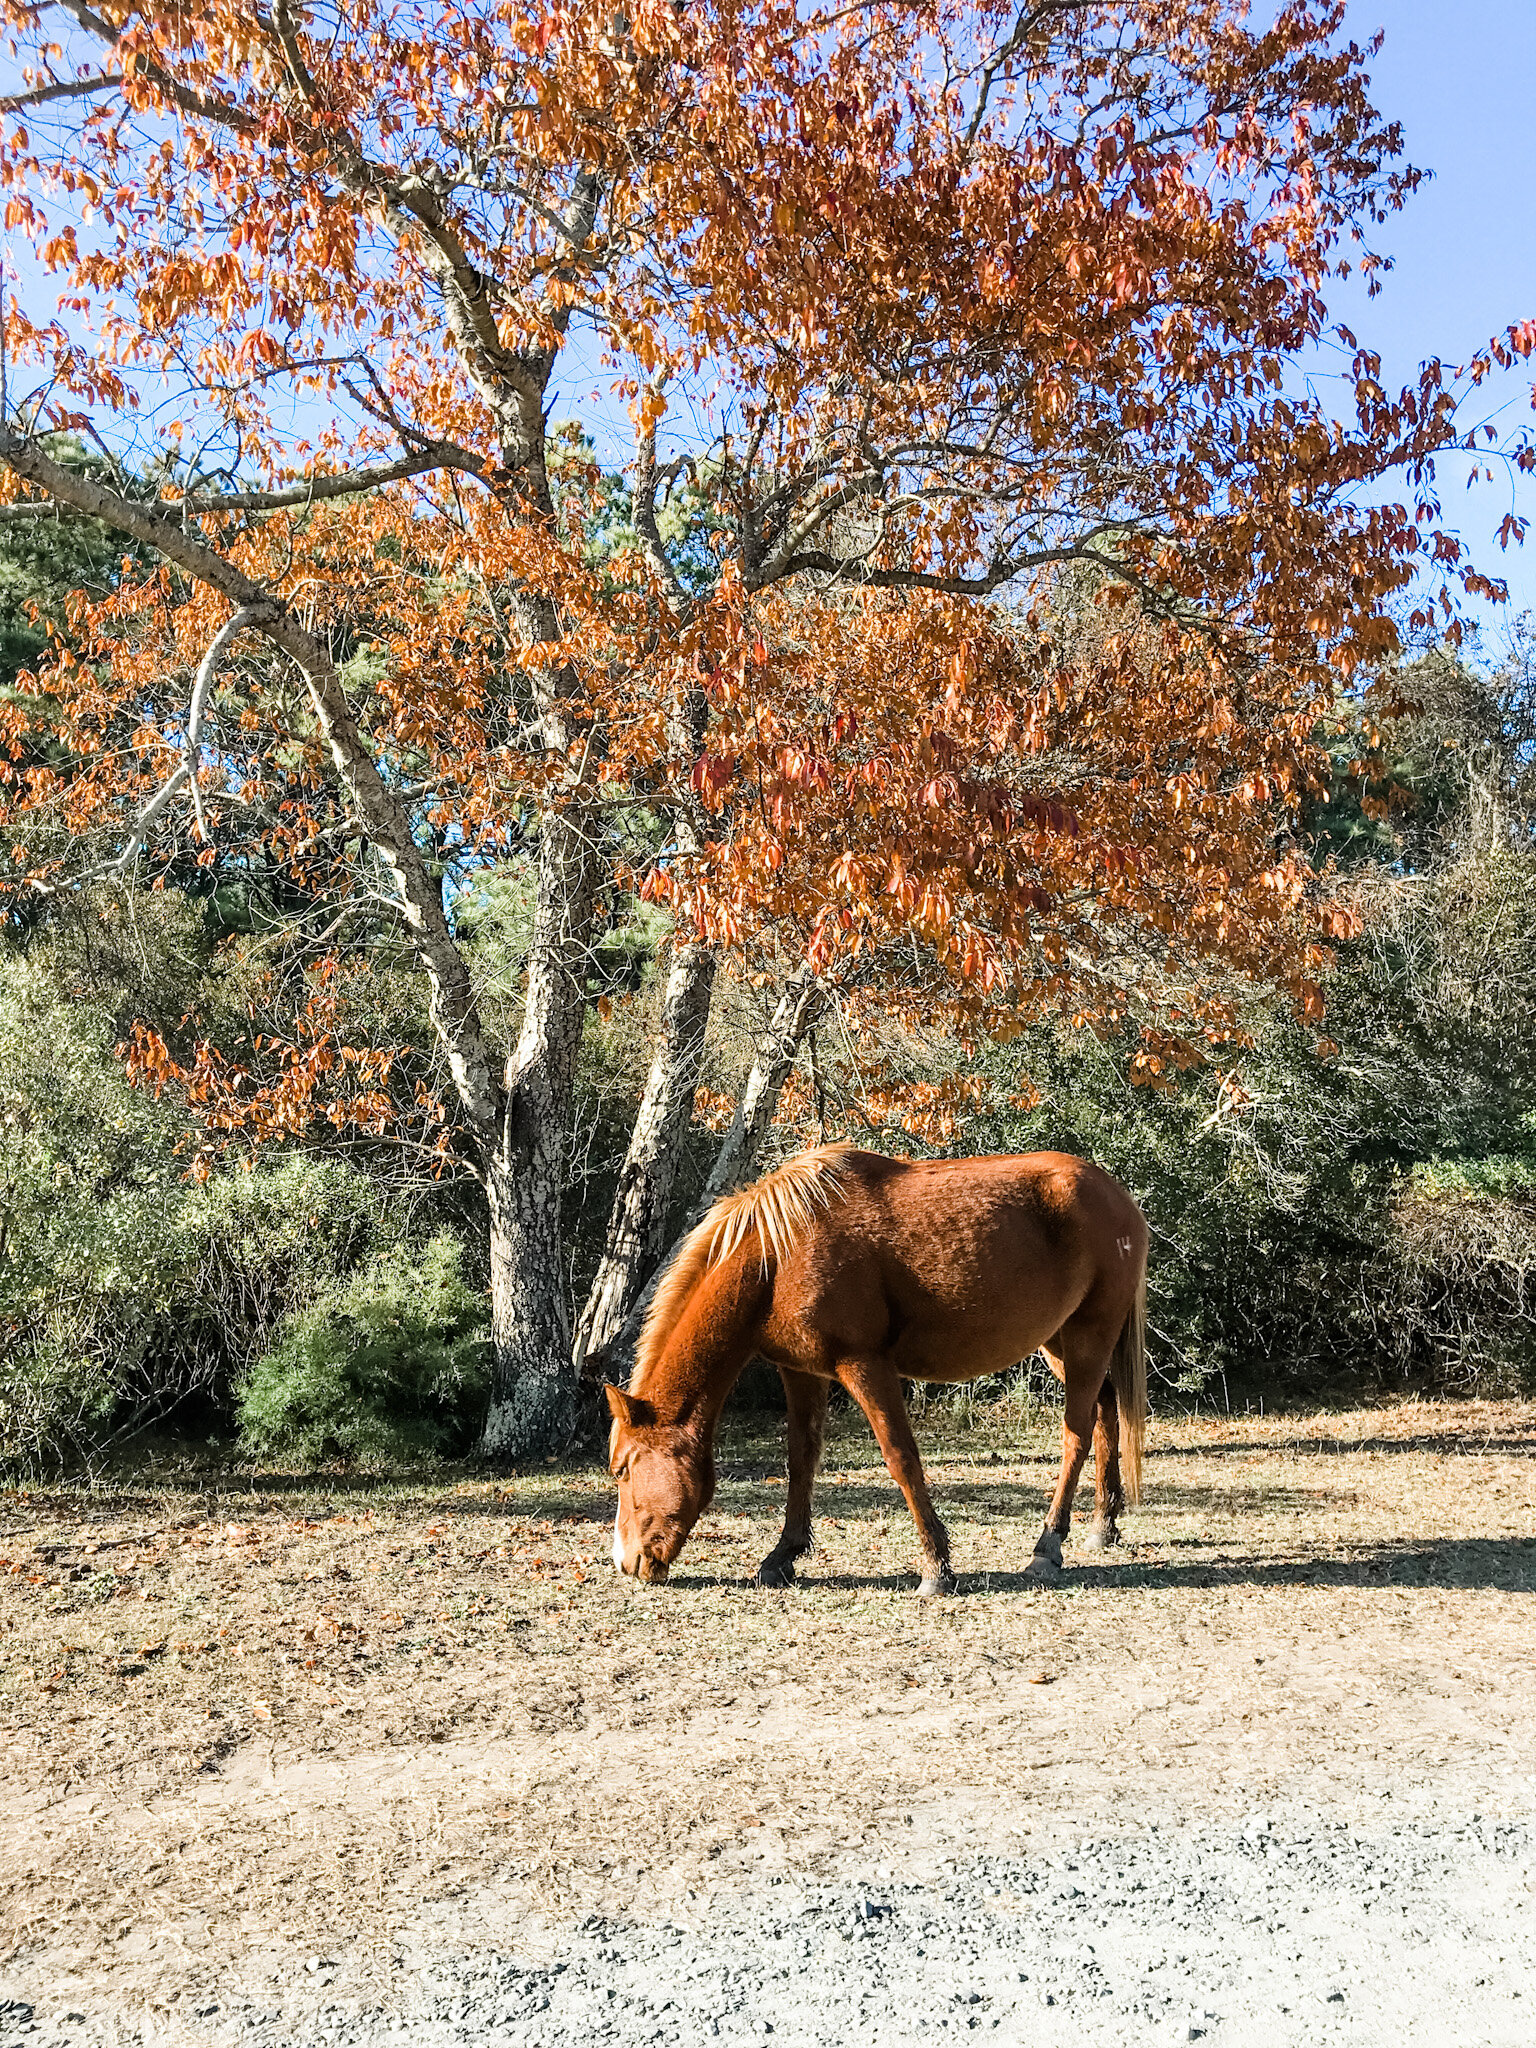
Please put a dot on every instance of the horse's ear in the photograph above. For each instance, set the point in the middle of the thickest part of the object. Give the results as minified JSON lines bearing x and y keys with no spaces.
{"x":628,"y":1409}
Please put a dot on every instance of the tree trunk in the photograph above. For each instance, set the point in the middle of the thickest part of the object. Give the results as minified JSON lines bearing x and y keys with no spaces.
{"x":637,"y":1224}
{"x":533,"y":1405}
{"x":533,"y":1409}
{"x":802,"y":1002}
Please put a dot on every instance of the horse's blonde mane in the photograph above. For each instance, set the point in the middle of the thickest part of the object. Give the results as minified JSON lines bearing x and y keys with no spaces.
{"x":779,"y":1207}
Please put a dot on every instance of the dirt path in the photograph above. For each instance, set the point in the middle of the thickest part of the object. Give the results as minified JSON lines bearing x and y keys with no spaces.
{"x":286,"y":1751}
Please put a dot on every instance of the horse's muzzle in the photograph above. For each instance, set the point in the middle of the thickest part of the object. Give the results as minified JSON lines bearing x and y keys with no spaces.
{"x":648,"y":1568}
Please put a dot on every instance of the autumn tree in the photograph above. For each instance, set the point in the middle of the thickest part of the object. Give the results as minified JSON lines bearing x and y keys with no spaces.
{"x":932,"y":320}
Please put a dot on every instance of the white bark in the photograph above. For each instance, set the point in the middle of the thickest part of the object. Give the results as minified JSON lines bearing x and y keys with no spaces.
{"x":638,"y":1222}
{"x":797,"y":1010}
{"x":534,"y":1391}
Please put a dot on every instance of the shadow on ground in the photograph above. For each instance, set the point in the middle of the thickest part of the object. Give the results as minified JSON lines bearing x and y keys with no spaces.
{"x":1446,"y":1443}
{"x":1508,"y":1564}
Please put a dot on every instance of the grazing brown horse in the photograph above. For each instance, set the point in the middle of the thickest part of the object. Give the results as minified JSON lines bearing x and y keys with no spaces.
{"x":847,"y":1266}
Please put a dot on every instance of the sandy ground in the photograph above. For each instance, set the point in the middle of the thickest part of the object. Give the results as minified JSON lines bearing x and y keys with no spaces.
{"x":300,"y":1759}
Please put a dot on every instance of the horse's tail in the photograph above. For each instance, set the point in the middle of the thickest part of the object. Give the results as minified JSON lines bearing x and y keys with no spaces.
{"x":1128,"y":1375}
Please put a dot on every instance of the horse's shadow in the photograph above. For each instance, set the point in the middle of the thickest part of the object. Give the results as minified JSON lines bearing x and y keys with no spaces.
{"x":1506,"y":1443}
{"x":1013,"y":1497}
{"x":1481,"y":1562}
{"x":1478,"y":1562}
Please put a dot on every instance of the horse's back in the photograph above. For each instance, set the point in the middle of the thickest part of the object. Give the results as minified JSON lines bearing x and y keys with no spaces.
{"x":1055,"y":1197}
{"x":956,"y":1266}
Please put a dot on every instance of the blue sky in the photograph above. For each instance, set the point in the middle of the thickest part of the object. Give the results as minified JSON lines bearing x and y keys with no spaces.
{"x":1461,"y":77}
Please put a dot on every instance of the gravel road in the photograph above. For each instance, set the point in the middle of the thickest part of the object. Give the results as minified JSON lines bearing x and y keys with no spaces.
{"x":1284,"y":1928}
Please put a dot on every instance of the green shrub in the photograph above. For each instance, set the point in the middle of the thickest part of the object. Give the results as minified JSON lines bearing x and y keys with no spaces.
{"x":1464,"y":1253}
{"x":1370,"y":1215}
{"x":121,"y":1311}
{"x":88,"y":1189}
{"x":393,"y":1361}
{"x":125,"y":1288}
{"x":255,"y":1245}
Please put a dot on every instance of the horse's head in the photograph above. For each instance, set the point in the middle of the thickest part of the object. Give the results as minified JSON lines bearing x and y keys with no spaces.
{"x":666,"y":1477}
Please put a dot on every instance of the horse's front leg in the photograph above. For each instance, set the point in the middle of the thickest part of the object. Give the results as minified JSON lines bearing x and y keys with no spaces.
{"x":805,"y":1398}
{"x":877,"y":1389}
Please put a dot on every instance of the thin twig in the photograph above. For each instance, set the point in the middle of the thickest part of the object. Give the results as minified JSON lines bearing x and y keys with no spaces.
{"x":248,"y":615}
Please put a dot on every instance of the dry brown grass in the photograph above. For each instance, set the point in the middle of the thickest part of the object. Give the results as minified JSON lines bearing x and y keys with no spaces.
{"x":316,"y":1711}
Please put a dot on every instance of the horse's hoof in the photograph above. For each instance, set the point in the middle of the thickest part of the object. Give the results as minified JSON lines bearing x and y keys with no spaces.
{"x":776,"y":1571}
{"x":937,"y":1584}
{"x":1045,"y":1566}
{"x":1099,"y":1536}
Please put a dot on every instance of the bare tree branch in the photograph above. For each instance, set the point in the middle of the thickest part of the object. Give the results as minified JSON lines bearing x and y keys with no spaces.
{"x":316,"y":490}
{"x":59,"y":89}
{"x":228,"y":633}
{"x":248,"y":615}
{"x":180,"y":95}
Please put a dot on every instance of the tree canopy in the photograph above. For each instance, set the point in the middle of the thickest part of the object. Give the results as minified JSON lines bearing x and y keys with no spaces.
{"x":978,"y":571}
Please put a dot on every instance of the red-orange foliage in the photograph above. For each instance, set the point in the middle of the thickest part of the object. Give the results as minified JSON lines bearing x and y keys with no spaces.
{"x":1053,"y":830}
{"x":914,"y":307}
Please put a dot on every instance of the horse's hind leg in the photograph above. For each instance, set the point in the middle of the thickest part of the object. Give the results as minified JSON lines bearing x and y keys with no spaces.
{"x":877,"y":1389}
{"x":1109,"y":1494}
{"x":1084,"y":1356}
{"x":805,"y":1398}
{"x":1076,"y":1430}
